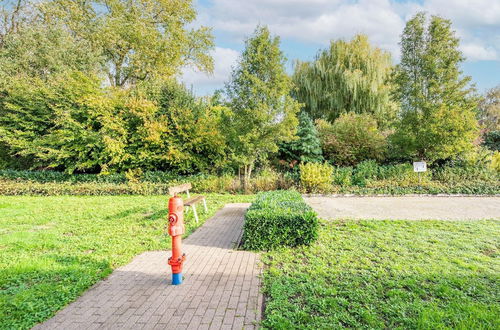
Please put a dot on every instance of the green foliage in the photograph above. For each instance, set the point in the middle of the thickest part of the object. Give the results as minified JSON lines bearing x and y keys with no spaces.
{"x":489,"y":110}
{"x":479,"y":157}
{"x":51,"y":183}
{"x":492,"y":140}
{"x":316,"y":177}
{"x":72,"y":124}
{"x":263,"y":113}
{"x":307,"y":147}
{"x":16,"y":15}
{"x":474,"y":174}
{"x":55,"y":111}
{"x":403,"y":173}
{"x":495,"y":162}
{"x":29,"y":111}
{"x":268,"y":179}
{"x":379,"y":177}
{"x":400,"y":188}
{"x":342,"y":176}
{"x":437,"y":119}
{"x":466,"y":173}
{"x":277,"y":219}
{"x":387,"y":275}
{"x":58,"y":177}
{"x":55,"y":248}
{"x":352,"y":138}
{"x":42,"y":51}
{"x":348,"y":77}
{"x":18,"y":188}
{"x":139,"y":40}
{"x":365,"y":171}
{"x":195,"y":140}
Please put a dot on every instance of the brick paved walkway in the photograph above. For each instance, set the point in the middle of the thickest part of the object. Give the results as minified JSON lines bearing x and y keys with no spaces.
{"x":220,"y":288}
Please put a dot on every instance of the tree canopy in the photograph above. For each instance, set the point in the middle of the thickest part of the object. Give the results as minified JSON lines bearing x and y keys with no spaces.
{"x":437,"y":104}
{"x":349,"y":76}
{"x":138,"y":39}
{"x":132,"y":40}
{"x":263,"y":112}
{"x":93,"y":86}
{"x":489,"y":109}
{"x":72,"y":124}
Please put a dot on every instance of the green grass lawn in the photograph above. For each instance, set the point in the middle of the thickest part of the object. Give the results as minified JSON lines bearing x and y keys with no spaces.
{"x":388,"y":274}
{"x":53,"y":248}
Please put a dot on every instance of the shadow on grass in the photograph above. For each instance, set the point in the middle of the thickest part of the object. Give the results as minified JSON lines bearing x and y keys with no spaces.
{"x":161,"y":214}
{"x":31,"y":293}
{"x":126,"y":213}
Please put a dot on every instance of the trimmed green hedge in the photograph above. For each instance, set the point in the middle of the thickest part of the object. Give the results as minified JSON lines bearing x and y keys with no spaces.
{"x":279,"y":218}
{"x":60,"y":177}
{"x":366,"y":179}
{"x":18,"y":188}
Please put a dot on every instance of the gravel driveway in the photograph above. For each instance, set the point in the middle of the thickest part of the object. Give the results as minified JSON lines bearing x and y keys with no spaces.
{"x":407,"y":208}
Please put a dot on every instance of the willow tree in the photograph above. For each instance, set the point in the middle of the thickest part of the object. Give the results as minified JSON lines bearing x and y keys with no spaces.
{"x":349,"y":76}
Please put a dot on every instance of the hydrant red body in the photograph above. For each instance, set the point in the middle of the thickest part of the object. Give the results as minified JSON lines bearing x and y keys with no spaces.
{"x":176,"y":230}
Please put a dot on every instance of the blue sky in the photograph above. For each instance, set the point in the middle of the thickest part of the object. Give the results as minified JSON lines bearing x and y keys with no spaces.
{"x":305,"y":26}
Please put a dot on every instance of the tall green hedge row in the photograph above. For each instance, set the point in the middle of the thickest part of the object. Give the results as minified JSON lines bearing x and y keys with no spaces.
{"x":279,"y":218}
{"x":116,"y":178}
{"x":366,"y":179}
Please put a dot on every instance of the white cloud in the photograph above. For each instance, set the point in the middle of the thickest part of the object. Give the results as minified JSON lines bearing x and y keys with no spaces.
{"x":224,"y":60}
{"x":477,"y":52}
{"x":319,"y":21}
{"x":316,"y":22}
{"x":477,"y":23}
{"x":468,"y":13}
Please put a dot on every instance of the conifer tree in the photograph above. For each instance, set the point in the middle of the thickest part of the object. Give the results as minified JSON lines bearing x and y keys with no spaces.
{"x":307,"y":147}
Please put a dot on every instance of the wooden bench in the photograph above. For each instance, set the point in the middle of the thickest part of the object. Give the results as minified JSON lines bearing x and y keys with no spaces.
{"x":190,"y":202}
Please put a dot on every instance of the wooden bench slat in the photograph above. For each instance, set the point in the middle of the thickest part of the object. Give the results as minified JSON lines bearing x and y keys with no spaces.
{"x":193,"y":200}
{"x":178,"y":189}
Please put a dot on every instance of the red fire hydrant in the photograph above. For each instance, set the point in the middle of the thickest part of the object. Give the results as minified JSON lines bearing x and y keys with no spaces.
{"x":176,"y":229}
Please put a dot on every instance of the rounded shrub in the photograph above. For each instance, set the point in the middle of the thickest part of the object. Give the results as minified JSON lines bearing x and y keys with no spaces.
{"x":351,"y":139}
{"x":316,"y":177}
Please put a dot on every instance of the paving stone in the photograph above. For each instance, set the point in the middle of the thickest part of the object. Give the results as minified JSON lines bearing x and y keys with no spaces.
{"x":221,"y":286}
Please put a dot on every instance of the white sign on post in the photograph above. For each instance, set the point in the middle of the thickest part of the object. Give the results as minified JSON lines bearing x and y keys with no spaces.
{"x":419,"y":167}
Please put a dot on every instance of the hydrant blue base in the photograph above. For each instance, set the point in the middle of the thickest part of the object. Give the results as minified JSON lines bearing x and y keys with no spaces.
{"x":177,"y":279}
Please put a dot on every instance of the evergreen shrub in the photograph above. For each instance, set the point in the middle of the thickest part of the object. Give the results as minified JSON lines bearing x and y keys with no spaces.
{"x":279,"y":219}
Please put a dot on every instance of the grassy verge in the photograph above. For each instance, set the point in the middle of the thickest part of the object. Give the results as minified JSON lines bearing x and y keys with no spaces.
{"x":53,"y":248}
{"x":388,"y":274}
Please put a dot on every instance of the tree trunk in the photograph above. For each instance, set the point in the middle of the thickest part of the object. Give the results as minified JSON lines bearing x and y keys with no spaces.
{"x":246,"y":179}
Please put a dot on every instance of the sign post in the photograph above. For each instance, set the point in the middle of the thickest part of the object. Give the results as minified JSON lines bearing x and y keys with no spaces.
{"x":419,"y":167}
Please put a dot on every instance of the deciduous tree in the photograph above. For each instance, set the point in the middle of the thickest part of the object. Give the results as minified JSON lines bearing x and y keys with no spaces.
{"x":39,"y":51}
{"x":489,"y":110}
{"x":263,"y":113}
{"x":437,"y":104}
{"x":349,"y":76}
{"x":139,"y":39}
